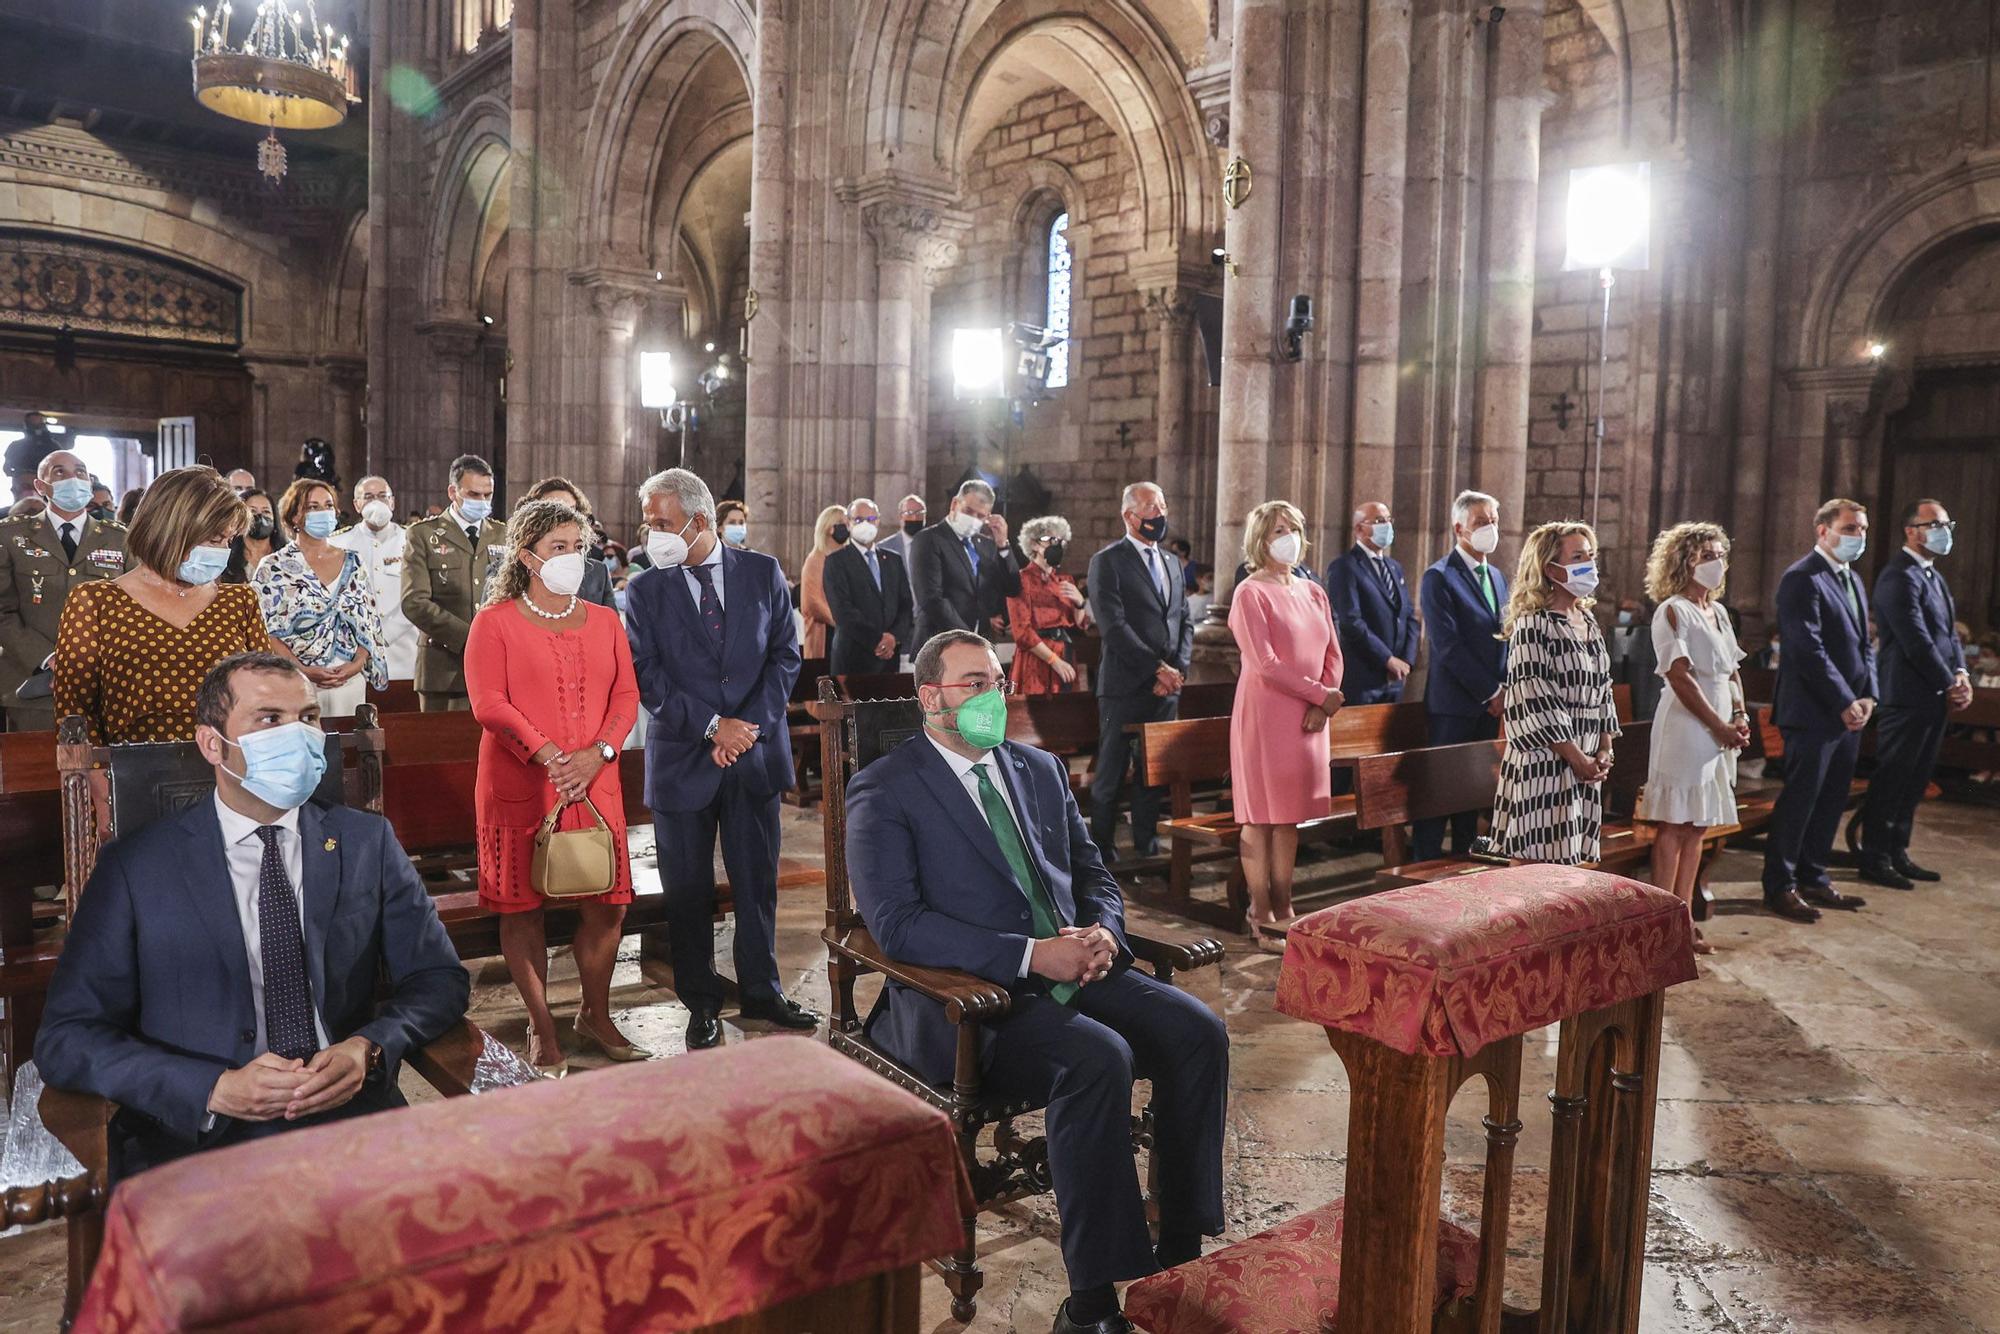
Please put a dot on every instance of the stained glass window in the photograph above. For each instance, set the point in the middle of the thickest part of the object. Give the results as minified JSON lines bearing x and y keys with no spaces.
{"x":1060,"y":260}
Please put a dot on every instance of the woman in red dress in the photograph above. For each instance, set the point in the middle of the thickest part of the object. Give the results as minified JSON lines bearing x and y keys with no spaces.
{"x":551,"y":682}
{"x":1047,"y":616}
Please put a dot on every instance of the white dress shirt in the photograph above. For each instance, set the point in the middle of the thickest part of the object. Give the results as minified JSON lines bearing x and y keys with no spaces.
{"x":1155,"y":562}
{"x":244,"y":851}
{"x":713,"y":562}
{"x":382,"y":555}
{"x":1472,"y":563}
{"x":968,"y":779}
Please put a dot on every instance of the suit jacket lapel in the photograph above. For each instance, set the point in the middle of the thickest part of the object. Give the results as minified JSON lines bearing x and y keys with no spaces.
{"x":736,"y":598}
{"x":319,"y":863}
{"x":207,"y":883}
{"x":1471,"y":580}
{"x":1138,"y":563}
{"x":1832,"y":582}
{"x":950,"y":793}
{"x":957,"y":545}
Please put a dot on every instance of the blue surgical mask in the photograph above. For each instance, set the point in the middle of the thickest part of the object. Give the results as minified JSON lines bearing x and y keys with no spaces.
{"x":1383,"y":534}
{"x":71,"y":494}
{"x":204,"y":565}
{"x":321,"y":523}
{"x":735,"y":534}
{"x":1937,"y":541}
{"x":1847,"y":548}
{"x":282,"y":765}
{"x":475,"y":511}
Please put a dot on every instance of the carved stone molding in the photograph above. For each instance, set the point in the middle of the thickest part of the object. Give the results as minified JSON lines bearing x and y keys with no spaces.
{"x":74,"y":154}
{"x":1847,"y":415}
{"x":618,"y":308}
{"x":914,"y":233}
{"x":452,"y":338}
{"x":1170,"y":307}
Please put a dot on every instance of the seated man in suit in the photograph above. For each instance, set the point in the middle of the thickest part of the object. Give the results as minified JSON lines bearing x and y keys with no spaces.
{"x":962,"y":568}
{"x":716,"y":651}
{"x":1923,"y":677}
{"x":1373,"y":610}
{"x":221,"y":980}
{"x":968,"y":851}
{"x":1463,"y":596}
{"x":870,"y":598}
{"x":1825,"y":695}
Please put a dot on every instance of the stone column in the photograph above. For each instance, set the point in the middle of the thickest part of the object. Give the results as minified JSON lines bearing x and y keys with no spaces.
{"x":618,"y":310}
{"x":1172,"y":310}
{"x":453,"y":400}
{"x":347,"y":380}
{"x":1507,"y":313}
{"x":1849,"y":420}
{"x":912,"y":241}
{"x":770,"y":351}
{"x":1379,"y":263}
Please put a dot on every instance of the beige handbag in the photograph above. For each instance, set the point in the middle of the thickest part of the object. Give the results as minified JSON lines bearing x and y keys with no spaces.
{"x":575,"y":863}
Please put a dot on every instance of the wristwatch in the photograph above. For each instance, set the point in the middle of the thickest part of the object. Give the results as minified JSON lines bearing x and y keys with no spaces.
{"x":606,"y":749}
{"x":714,"y":726}
{"x":374,"y":1069}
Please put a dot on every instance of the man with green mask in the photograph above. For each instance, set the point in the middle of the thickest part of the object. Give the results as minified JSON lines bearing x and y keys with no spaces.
{"x":967,"y":851}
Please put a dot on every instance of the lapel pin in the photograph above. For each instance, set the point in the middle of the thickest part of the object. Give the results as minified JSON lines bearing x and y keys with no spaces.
{"x":331,"y":844}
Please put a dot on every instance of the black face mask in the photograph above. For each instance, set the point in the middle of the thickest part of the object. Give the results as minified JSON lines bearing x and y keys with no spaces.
{"x":261,"y":525}
{"x":1053,"y":553}
{"x":1153,"y":529}
{"x":913,"y":526}
{"x":839,"y":534}
{"x":101,"y":513}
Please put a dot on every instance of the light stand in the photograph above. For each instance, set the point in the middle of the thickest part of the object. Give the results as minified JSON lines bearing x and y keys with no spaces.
{"x":1605,"y":279}
{"x":1610,"y":224}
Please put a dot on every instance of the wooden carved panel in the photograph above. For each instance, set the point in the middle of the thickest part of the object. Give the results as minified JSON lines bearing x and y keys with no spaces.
{"x":53,"y":283}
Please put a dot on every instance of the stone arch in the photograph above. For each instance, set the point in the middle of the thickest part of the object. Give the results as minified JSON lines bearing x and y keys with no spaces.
{"x":470,"y":209}
{"x":1857,"y":290}
{"x":1680,"y":37}
{"x":638,"y":99}
{"x":346,"y":327}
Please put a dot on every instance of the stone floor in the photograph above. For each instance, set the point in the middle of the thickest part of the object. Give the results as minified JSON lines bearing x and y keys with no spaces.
{"x":1828,"y":1145}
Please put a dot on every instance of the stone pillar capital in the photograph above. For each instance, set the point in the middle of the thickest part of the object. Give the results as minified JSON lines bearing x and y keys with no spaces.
{"x":451,"y":338}
{"x":1171,"y":308}
{"x":912,"y":232}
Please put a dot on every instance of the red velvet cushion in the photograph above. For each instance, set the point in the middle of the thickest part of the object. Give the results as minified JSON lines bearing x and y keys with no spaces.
{"x":1284,"y":1281}
{"x":662,"y":1196}
{"x":1445,"y":968}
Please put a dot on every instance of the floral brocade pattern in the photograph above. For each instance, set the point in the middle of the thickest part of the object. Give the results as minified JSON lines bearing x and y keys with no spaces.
{"x":1443,"y":969}
{"x":1282,"y":1281}
{"x":665,"y":1196}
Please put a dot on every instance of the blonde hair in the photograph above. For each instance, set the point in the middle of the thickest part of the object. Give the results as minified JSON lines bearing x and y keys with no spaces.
{"x":823,"y":526}
{"x":1670,"y":565}
{"x":531,"y":522}
{"x":1257,"y":532}
{"x":291,"y":507}
{"x":183,"y":508}
{"x":1531,"y":590}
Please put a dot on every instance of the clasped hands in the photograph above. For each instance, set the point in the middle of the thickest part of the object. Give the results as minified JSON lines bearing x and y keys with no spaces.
{"x":733,"y":739}
{"x":1856,"y":715}
{"x":331,"y":678}
{"x":1318,"y":714}
{"x":1080,"y":954}
{"x":1591,"y":768}
{"x":572,"y":774}
{"x":1959,"y":695}
{"x":1167,"y":681}
{"x":273,"y":1086}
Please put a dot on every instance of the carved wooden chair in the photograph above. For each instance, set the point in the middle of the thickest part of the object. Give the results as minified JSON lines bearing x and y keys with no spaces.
{"x":854,"y":733}
{"x":107,"y":790}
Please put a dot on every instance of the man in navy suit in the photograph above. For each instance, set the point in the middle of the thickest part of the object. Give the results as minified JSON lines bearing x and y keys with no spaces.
{"x":223,"y":978}
{"x":1373,"y":610}
{"x":870,"y":598}
{"x":1923,"y":677}
{"x":961,"y":569}
{"x":1464,"y":595}
{"x":1139,"y":599}
{"x":1825,"y":695}
{"x":717,"y":654}
{"x":968,"y":851}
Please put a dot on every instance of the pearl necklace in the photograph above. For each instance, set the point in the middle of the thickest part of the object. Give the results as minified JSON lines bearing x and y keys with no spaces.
{"x":529,"y":603}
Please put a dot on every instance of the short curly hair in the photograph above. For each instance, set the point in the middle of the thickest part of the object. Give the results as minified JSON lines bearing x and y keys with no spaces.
{"x":1670,"y":565}
{"x":533,"y":521}
{"x":1047,"y":528}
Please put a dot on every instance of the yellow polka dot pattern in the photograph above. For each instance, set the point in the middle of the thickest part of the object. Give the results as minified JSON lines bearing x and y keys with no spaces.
{"x":135,"y":676}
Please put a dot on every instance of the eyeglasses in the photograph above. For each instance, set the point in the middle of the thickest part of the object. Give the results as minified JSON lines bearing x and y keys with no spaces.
{"x":1003,"y":685}
{"x":1945,"y":525}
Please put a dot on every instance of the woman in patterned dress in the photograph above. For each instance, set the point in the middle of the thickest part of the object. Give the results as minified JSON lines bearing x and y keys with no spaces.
{"x":1046,"y":617}
{"x":1559,"y":712}
{"x":319,"y":603}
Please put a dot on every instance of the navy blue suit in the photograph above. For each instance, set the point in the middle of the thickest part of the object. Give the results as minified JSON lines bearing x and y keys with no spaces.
{"x":1921,"y":658}
{"x":1140,"y":631}
{"x":936,"y":890}
{"x":1377,"y":621}
{"x":1467,"y":665}
{"x":684,"y":682}
{"x":1825,"y":663}
{"x":151,"y":1000}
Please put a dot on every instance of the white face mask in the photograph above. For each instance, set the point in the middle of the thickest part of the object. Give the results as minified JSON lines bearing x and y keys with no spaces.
{"x":964,"y":524}
{"x":668,"y":550}
{"x":1285,"y":549}
{"x":1484,"y":539}
{"x":1582,"y":580}
{"x":1709,"y":573}
{"x":864,"y":532}
{"x":377,"y":514}
{"x":563,"y":575}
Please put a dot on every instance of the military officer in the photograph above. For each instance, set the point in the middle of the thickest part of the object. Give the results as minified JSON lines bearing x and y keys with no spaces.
{"x":446,"y":563}
{"x":42,"y":557}
{"x":380,"y":541}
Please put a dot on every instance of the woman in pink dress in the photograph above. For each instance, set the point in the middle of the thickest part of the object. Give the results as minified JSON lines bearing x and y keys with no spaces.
{"x":1289,"y":687}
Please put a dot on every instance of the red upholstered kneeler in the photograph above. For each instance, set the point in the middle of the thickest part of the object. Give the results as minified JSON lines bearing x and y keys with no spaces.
{"x":1420,"y":989}
{"x":667,"y":1196}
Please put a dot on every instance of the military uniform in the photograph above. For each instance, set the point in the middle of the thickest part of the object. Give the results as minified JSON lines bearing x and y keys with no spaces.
{"x":382,"y":556}
{"x":445,"y":572}
{"x":35,"y":580}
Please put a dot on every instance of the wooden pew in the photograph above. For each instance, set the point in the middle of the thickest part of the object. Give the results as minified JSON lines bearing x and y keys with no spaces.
{"x":805,"y":734}
{"x":399,"y":697}
{"x":30,"y":930}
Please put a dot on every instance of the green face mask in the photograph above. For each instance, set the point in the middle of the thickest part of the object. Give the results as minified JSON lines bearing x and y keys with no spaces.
{"x":982,"y":719}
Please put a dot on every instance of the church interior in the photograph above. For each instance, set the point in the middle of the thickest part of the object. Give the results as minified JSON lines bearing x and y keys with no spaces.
{"x":1629,"y":263}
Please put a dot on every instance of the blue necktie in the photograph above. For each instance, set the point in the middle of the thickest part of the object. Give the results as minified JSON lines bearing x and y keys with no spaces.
{"x":288,"y":1017}
{"x":711,"y":606}
{"x":1153,"y":569}
{"x":972,"y":554}
{"x":875,"y":571}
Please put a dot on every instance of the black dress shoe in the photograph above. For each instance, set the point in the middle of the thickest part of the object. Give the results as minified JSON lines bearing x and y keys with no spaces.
{"x":704,"y":1029}
{"x":1115,"y":1323}
{"x":1826,"y":896}
{"x":1148,"y":849}
{"x":1879,"y":871}
{"x":1914,"y":871}
{"x":779,"y":1010}
{"x":1791,"y":907}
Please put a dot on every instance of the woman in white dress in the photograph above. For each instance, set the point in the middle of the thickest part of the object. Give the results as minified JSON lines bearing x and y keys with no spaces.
{"x":1700,"y":723}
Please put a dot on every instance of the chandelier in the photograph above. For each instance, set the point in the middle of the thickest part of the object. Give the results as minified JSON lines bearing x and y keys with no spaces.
{"x":288,"y":73}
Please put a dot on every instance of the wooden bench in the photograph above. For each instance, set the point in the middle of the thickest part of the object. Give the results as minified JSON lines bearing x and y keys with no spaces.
{"x":805,"y":734}
{"x":30,"y":929}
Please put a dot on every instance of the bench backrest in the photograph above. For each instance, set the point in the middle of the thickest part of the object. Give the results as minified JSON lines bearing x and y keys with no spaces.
{"x":1631,"y":750}
{"x":1206,"y":699}
{"x":854,"y":733}
{"x":1196,"y":750}
{"x":1059,"y":724}
{"x":1426,"y":784}
{"x":875,"y":685}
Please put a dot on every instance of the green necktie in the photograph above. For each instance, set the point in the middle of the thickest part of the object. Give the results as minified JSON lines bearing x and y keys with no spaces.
{"x":1486,"y":587}
{"x":1853,"y":600}
{"x":1008,"y":836}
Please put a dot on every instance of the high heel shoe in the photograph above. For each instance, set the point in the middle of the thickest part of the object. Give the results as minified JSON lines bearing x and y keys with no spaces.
{"x":555,"y":1070}
{"x":1268,"y":936}
{"x":616,"y":1051}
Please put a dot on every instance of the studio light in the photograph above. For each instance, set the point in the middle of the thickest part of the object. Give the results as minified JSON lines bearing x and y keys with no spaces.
{"x":978,"y":363}
{"x":656,"y":380}
{"x":1610,"y":227}
{"x":1877,"y":351}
